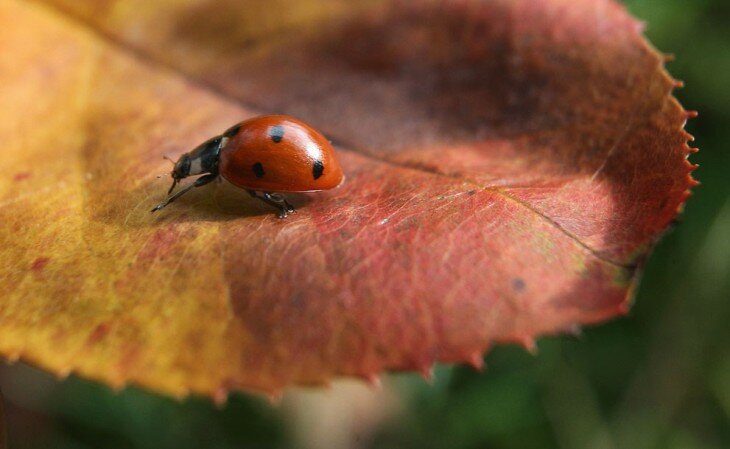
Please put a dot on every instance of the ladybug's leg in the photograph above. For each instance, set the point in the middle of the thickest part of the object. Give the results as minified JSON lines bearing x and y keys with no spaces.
{"x":275,"y":200}
{"x":255,"y":194}
{"x":279,"y":199}
{"x":203,"y":180}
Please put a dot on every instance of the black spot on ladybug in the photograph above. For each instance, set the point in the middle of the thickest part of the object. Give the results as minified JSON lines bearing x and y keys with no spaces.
{"x":518,"y":284}
{"x":232,"y":131}
{"x":317,"y":169}
{"x":277,"y":133}
{"x":258,"y":169}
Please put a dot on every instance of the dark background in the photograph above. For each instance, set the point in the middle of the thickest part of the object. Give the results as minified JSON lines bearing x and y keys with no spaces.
{"x":659,"y":378}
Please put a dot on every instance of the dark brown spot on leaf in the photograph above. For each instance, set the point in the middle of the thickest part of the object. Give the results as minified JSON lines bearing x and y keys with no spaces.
{"x":21,"y":176}
{"x":39,"y":264}
{"x":518,"y":284}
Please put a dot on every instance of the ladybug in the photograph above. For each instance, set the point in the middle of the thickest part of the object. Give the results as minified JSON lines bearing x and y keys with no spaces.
{"x":263,"y":155}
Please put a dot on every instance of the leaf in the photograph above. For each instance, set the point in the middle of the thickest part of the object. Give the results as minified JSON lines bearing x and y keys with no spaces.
{"x":3,"y":430}
{"x":509,"y":164}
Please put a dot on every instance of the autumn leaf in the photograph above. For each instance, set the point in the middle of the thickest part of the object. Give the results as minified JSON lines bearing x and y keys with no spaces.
{"x":510,"y":165}
{"x":3,"y":431}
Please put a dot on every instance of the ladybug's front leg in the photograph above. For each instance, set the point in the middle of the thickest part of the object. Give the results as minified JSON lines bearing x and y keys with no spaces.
{"x":203,"y":180}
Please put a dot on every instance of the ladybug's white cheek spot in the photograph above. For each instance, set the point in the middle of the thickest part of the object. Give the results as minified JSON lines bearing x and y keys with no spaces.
{"x":196,"y":166}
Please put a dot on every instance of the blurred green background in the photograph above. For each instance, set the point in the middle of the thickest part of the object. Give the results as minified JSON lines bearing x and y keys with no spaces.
{"x":657,"y":379}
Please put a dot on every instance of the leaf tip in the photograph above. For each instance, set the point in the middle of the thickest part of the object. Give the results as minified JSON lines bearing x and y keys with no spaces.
{"x":275,"y":397}
{"x":220,"y":397}
{"x":374,"y":381}
{"x":528,"y":342}
{"x":118,"y":386}
{"x":624,"y":308}
{"x":426,"y":372}
{"x":182,"y":394}
{"x":63,"y":373}
{"x":476,"y":361}
{"x":574,"y":330}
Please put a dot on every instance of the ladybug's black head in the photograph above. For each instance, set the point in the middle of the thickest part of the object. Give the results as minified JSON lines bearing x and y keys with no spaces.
{"x":182,"y":167}
{"x":180,"y":171}
{"x":202,"y":159}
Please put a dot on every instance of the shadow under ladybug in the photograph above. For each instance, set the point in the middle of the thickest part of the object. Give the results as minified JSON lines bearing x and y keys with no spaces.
{"x":266,"y":156}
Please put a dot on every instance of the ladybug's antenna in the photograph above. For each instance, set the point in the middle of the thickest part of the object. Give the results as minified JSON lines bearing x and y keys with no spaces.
{"x":174,"y":179}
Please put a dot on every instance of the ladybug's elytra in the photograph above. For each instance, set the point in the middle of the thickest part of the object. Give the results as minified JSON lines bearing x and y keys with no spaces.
{"x":272,"y":153}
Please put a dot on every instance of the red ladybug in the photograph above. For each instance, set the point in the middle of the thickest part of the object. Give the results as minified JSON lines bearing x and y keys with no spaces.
{"x":272,"y":153}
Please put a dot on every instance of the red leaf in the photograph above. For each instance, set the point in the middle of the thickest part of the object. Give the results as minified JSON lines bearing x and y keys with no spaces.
{"x":509,"y":166}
